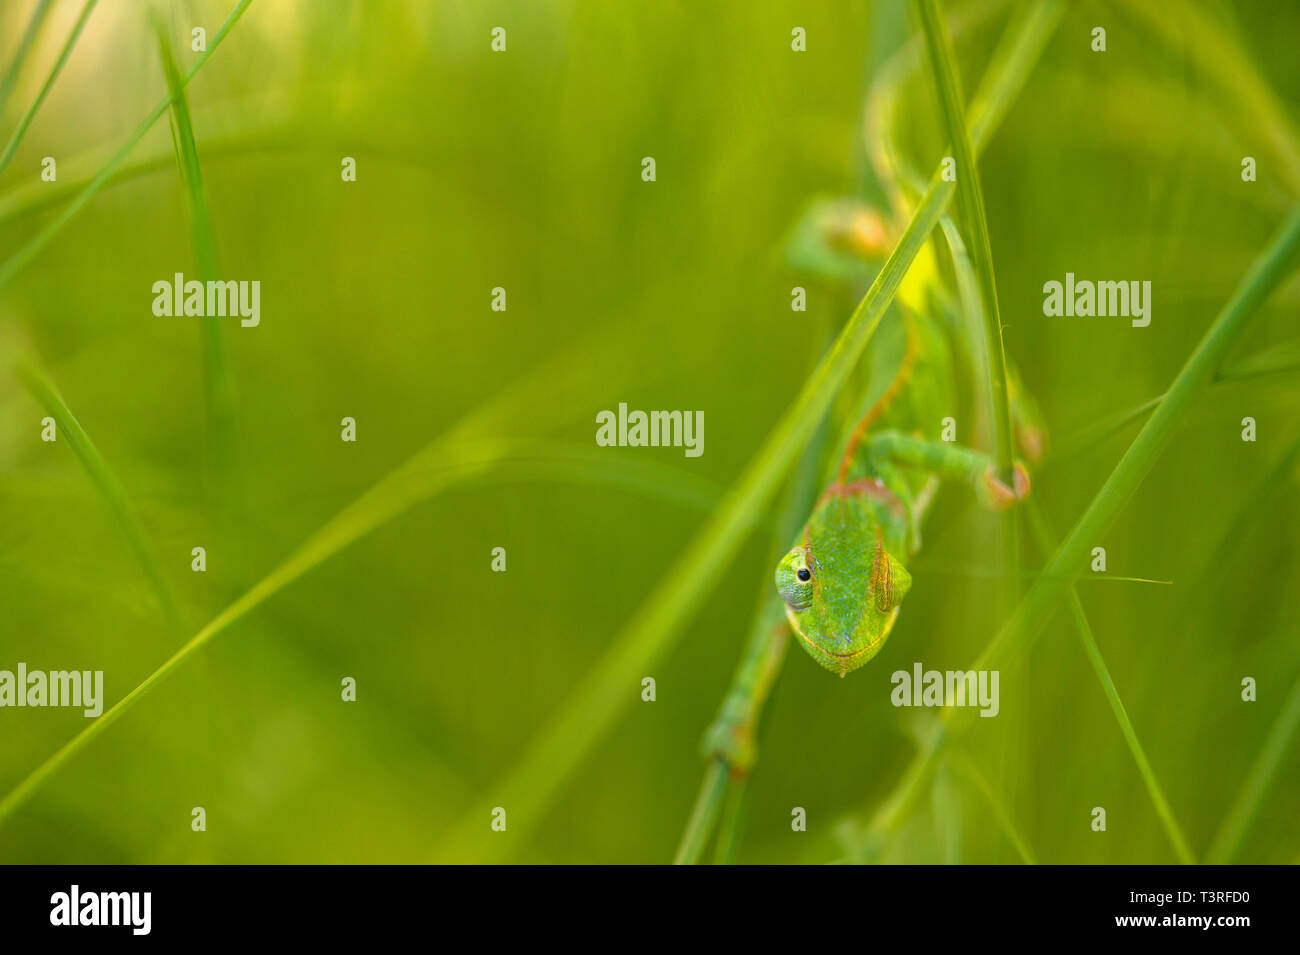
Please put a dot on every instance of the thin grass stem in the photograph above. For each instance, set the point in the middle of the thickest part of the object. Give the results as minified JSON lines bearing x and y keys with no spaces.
{"x":47,"y":396}
{"x":594,"y":704}
{"x":1046,"y":542}
{"x":1276,"y":359}
{"x":460,"y":452}
{"x":34,"y":24}
{"x":19,"y":260}
{"x":732,"y":822}
{"x":21,"y":130}
{"x":219,"y":387}
{"x":970,"y":199}
{"x":1016,"y":636}
{"x":700,"y":825}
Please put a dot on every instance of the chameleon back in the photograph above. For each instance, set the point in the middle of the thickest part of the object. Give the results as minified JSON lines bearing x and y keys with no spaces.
{"x":908,"y":386}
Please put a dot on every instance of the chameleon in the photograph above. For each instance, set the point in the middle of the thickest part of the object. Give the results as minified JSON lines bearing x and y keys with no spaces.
{"x":841,"y":584}
{"x":844,"y":579}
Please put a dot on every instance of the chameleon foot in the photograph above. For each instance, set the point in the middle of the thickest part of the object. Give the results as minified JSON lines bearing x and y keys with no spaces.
{"x":997,"y":496}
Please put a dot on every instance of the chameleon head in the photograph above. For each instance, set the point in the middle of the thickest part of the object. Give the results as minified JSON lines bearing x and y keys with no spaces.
{"x":841,"y":596}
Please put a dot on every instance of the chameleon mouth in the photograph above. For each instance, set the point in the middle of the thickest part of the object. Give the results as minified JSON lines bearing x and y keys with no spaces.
{"x":852,"y":654}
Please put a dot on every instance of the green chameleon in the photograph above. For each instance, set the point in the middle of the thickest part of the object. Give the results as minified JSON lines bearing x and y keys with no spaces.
{"x":845,"y":577}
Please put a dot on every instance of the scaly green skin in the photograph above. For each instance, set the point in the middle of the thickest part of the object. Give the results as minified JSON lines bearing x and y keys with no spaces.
{"x":845,"y":577}
{"x":842,"y":584}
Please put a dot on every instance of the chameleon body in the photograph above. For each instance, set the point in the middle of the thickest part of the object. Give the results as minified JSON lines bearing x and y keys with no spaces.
{"x":845,"y":577}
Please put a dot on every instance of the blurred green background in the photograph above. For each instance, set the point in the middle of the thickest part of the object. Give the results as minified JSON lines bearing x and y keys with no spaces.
{"x":522,"y":170}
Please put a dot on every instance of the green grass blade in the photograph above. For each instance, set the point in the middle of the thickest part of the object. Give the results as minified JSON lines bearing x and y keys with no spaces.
{"x":584,"y":719}
{"x":1196,"y":375}
{"x":970,"y":199}
{"x":19,"y":260}
{"x":1046,"y":542}
{"x":216,"y":361}
{"x":1015,"y":637}
{"x":968,"y":292}
{"x":979,"y":261}
{"x":1277,"y":359}
{"x":1099,"y":431}
{"x":439,"y":465}
{"x":731,"y":823}
{"x":461,"y":452}
{"x":596,"y":702}
{"x":21,"y":129}
{"x":34,"y":25}
{"x":1238,"y":819}
{"x":702,"y":818}
{"x":48,"y":397}
{"x":897,"y":177}
{"x":764,"y":652}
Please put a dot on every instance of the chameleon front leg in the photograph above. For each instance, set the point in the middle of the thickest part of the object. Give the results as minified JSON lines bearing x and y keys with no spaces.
{"x":888,"y":451}
{"x":730,"y":738}
{"x":728,"y":743}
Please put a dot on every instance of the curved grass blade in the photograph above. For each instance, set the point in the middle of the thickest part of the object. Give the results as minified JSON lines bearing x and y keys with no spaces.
{"x":19,"y":260}
{"x":21,"y":129}
{"x":47,"y":396}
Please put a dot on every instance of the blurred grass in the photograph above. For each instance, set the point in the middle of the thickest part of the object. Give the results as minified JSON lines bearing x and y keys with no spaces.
{"x":17,"y":137}
{"x":520,"y":170}
{"x":1047,"y":542}
{"x":18,"y":260}
{"x":1011,"y":642}
{"x":19,"y":57}
{"x":216,"y":362}
{"x":69,"y":429}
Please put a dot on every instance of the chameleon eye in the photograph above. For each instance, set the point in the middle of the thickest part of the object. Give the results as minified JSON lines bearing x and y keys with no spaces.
{"x":803,"y":574}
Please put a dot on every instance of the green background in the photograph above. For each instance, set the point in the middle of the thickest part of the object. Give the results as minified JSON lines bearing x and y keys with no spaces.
{"x":522,"y":170}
